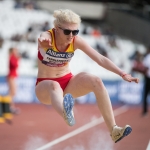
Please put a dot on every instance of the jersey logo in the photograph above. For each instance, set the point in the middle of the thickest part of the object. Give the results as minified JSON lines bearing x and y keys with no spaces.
{"x":56,"y":59}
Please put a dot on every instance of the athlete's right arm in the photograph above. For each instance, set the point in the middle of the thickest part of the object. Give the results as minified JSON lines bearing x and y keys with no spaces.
{"x":44,"y":40}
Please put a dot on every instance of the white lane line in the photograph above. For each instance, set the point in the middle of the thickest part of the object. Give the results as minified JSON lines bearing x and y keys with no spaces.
{"x":87,"y":126}
{"x":148,"y":147}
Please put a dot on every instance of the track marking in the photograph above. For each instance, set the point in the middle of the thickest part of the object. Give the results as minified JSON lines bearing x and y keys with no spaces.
{"x":148,"y":146}
{"x":87,"y":126}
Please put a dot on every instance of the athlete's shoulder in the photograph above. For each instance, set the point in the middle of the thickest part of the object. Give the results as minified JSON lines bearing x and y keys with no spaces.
{"x":79,"y":39}
{"x":79,"y":42}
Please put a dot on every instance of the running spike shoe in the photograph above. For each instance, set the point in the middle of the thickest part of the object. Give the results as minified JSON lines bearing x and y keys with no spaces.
{"x":119,"y":133}
{"x":68,"y":114}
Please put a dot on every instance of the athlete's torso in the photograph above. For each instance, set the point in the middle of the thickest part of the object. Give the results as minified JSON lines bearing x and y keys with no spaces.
{"x":53,"y":63}
{"x":13,"y":65}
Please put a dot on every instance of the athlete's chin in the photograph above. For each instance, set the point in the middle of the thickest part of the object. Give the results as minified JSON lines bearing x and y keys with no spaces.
{"x":69,"y":40}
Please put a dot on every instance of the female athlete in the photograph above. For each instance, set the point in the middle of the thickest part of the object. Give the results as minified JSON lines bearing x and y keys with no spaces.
{"x":57,"y":86}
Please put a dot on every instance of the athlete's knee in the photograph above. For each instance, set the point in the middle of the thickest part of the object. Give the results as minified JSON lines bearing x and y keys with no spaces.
{"x":53,"y":85}
{"x":79,"y":75}
{"x":94,"y":80}
{"x":97,"y":82}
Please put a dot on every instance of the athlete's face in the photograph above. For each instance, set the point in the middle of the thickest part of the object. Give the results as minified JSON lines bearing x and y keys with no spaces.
{"x":15,"y":51}
{"x":68,"y":31}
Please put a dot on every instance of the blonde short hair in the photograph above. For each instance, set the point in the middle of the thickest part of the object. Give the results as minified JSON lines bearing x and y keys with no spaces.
{"x":65,"y":16}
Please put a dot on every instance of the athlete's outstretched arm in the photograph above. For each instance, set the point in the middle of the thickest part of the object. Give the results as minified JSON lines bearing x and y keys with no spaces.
{"x":101,"y":60}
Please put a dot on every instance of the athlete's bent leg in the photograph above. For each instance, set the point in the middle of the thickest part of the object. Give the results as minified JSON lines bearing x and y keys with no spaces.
{"x":84,"y":83}
{"x":49,"y":92}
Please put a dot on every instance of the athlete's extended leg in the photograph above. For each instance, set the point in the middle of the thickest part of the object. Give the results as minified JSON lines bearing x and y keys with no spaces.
{"x":84,"y":83}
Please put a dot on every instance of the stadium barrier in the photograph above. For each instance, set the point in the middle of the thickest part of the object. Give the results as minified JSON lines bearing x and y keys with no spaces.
{"x":119,"y":91}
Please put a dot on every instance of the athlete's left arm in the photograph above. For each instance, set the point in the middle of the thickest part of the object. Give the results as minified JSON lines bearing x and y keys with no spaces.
{"x":103,"y":61}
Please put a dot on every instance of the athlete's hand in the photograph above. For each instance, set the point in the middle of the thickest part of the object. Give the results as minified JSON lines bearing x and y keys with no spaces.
{"x":129,"y":78}
{"x":45,"y":42}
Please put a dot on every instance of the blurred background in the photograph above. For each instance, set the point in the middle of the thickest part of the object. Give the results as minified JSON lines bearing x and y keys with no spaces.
{"x":118,"y":29}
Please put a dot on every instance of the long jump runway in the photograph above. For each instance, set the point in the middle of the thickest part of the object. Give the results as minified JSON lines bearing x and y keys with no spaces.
{"x":39,"y":127}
